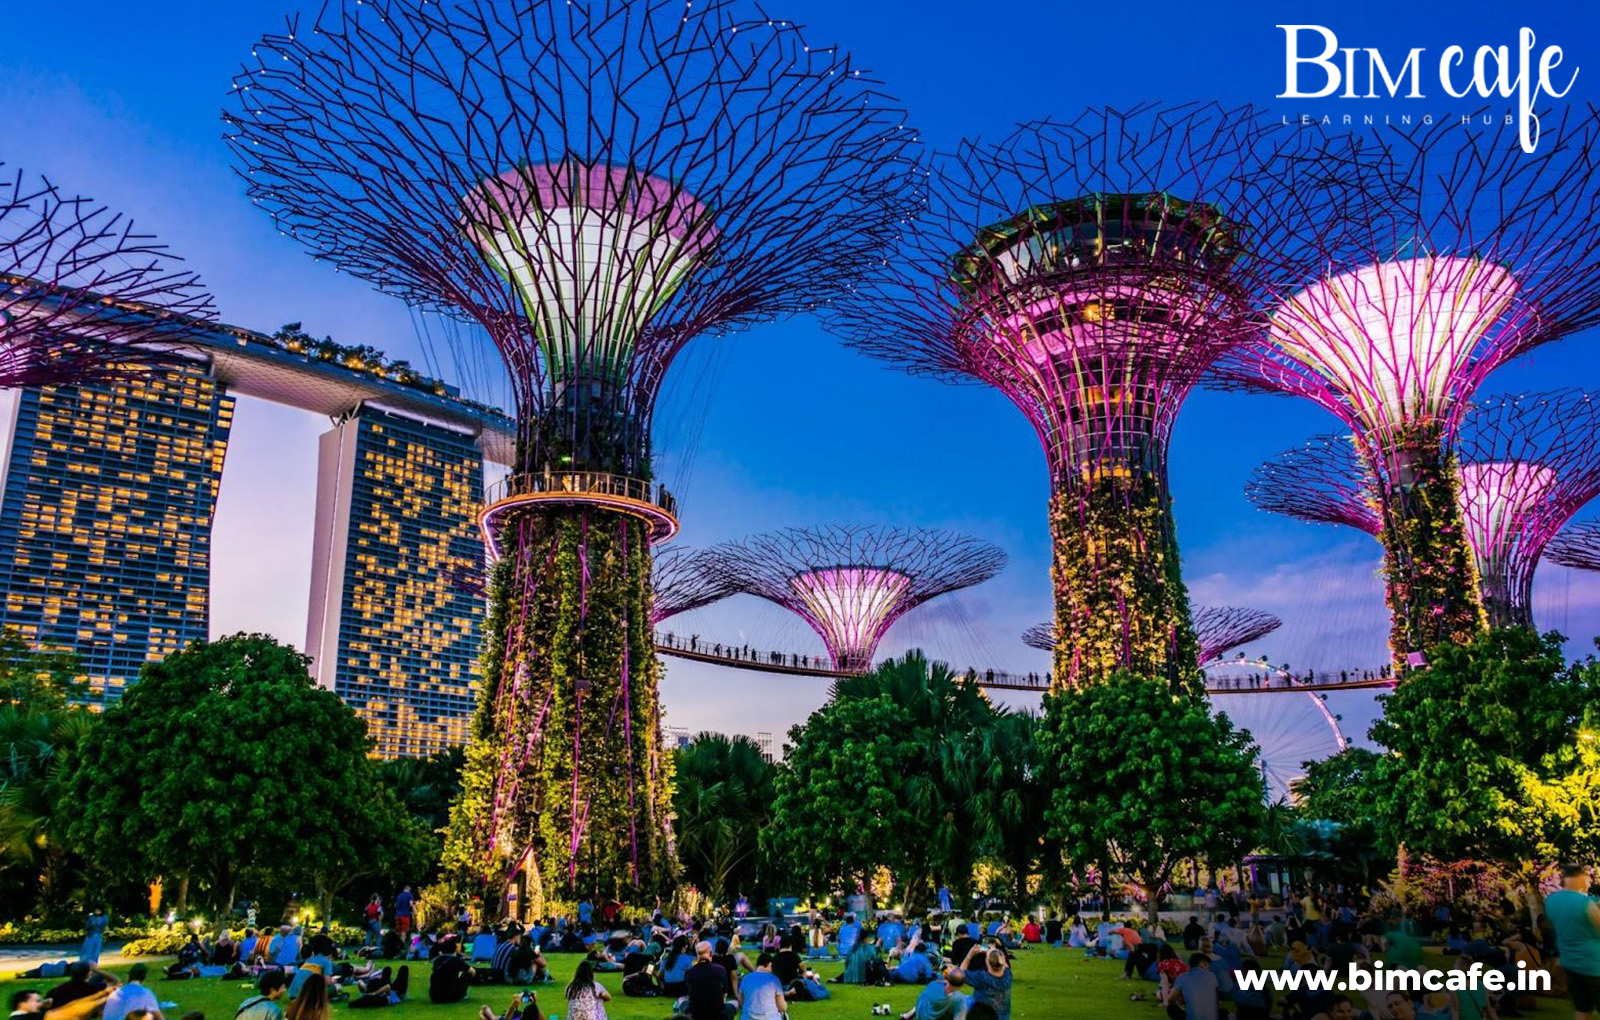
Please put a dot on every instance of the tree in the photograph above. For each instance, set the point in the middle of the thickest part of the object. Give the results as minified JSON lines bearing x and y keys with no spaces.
{"x":38,"y":679}
{"x":1145,"y":777}
{"x":224,"y":763}
{"x":722,"y":801}
{"x":900,"y":751}
{"x":426,"y":786}
{"x":1469,"y":737}
{"x":1010,"y":807}
{"x":840,"y":794}
{"x":37,"y":749}
{"x":376,"y":836}
{"x":1342,"y":788}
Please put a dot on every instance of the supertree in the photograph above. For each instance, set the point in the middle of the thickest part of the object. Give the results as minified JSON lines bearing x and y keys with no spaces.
{"x":1478,"y":253}
{"x":83,"y":295}
{"x":1086,"y":270}
{"x":1527,"y":465}
{"x":680,"y":580}
{"x":1576,"y":546}
{"x":850,"y":584}
{"x":1217,"y":630}
{"x":594,"y":182}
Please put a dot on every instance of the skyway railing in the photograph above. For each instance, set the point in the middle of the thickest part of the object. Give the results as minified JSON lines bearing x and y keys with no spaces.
{"x":1262,"y":680}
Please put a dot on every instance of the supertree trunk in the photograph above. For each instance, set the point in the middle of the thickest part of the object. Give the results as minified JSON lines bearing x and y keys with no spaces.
{"x":1121,"y":603}
{"x":1431,"y":580}
{"x":568,"y":791}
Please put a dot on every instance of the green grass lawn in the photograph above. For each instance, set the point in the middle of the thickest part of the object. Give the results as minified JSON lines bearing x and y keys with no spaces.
{"x":1050,"y":983}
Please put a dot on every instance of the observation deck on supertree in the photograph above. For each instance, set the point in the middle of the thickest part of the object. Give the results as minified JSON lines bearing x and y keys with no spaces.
{"x":850,"y":584}
{"x":1087,"y":271}
{"x":1528,"y":464}
{"x":1391,"y":321}
{"x":84,"y":295}
{"x":595,"y":184}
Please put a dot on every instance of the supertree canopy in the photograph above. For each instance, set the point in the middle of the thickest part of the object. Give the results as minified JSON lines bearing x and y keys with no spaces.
{"x":850,"y":584}
{"x":595,"y":182}
{"x":685,"y":579}
{"x":1478,"y":253}
{"x":1086,"y":270}
{"x":680,"y":580}
{"x":1576,"y":546}
{"x":1217,"y":630}
{"x":82,"y":294}
{"x":1528,"y":464}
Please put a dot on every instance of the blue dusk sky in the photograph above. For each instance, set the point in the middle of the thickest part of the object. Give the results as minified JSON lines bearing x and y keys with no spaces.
{"x":121,"y":101}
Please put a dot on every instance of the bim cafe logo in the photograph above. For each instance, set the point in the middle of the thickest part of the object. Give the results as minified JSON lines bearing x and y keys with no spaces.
{"x":1317,"y":67}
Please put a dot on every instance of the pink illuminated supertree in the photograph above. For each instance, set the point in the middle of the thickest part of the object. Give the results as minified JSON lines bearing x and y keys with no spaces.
{"x":595,"y":183}
{"x":1527,"y":465}
{"x":850,"y":584}
{"x":1480,"y":253}
{"x":1088,"y":271}
{"x":1217,"y":630}
{"x":82,"y":294}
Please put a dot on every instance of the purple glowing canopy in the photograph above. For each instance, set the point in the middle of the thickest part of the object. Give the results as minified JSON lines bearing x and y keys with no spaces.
{"x":595,"y":182}
{"x":1085,"y":269}
{"x":83,"y":294}
{"x":850,"y":584}
{"x":1217,"y":629}
{"x":1470,"y":253}
{"x":1529,"y":463}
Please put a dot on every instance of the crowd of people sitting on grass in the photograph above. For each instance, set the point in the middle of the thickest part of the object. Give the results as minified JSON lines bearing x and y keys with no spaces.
{"x":1197,"y":970}
{"x":712,"y":969}
{"x":728,"y":966}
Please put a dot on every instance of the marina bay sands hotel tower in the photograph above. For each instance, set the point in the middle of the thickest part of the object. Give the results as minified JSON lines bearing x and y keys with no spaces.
{"x":109,"y":491}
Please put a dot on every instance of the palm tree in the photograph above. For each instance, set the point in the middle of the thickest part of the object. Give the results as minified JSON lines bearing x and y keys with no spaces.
{"x":37,"y":749}
{"x":722,"y":801}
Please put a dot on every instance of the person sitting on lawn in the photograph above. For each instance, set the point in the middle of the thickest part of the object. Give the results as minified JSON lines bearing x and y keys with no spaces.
{"x":989,"y":974}
{"x":849,"y":935}
{"x":761,"y":993}
{"x":586,"y":998}
{"x":863,"y":966}
{"x":916,"y":967}
{"x":312,"y":1001}
{"x":452,"y":976}
{"x":380,"y":991}
{"x":132,"y":995}
{"x":264,"y":1004}
{"x":941,"y":1000}
{"x":706,"y":986}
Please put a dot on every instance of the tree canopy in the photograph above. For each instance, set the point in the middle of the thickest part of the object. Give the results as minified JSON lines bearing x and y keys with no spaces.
{"x":1469,"y":737}
{"x":1145,"y":777}
{"x":225,"y":763}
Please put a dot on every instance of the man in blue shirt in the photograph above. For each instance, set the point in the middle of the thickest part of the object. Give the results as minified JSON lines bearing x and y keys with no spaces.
{"x":916,"y":968}
{"x":761,"y":993}
{"x":402,"y":911}
{"x":941,"y":1000}
{"x":1576,"y":918}
{"x":1196,"y":990}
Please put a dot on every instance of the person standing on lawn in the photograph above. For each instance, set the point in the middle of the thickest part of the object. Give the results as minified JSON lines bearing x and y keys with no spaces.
{"x":402,"y":911}
{"x":1576,"y":918}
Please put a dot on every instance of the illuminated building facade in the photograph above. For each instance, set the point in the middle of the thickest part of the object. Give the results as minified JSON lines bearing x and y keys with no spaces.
{"x":397,"y":504}
{"x":105,"y":518}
